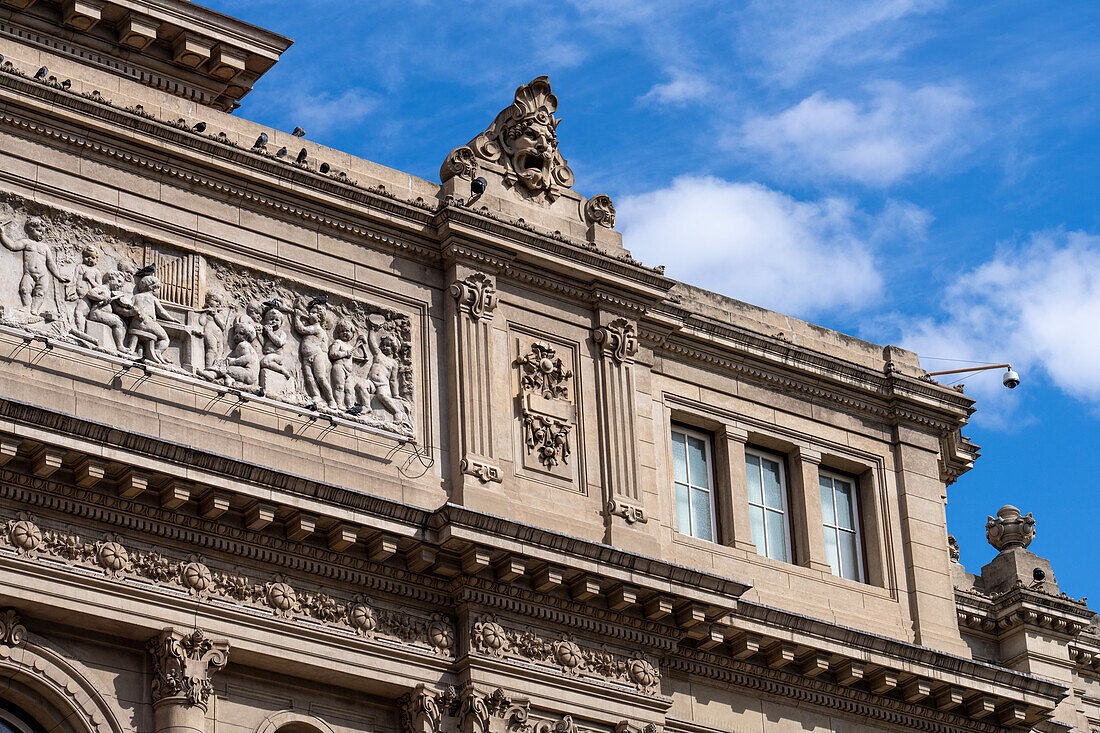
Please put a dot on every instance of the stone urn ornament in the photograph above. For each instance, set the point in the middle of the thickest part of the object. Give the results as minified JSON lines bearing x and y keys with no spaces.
{"x":1009,"y":529}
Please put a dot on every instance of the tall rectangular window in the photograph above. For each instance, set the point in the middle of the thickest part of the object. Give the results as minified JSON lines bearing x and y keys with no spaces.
{"x":767,"y":484}
{"x":840,"y":518}
{"x":693,"y":478}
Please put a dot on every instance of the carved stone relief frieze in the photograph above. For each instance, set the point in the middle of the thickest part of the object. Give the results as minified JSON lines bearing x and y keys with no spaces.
{"x":491,"y":637}
{"x":69,"y":279}
{"x":548,"y":412}
{"x":282,"y":597}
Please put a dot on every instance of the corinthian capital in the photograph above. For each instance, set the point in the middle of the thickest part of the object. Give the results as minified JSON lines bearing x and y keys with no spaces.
{"x":617,"y":340}
{"x":476,"y":295}
{"x":183,"y":664}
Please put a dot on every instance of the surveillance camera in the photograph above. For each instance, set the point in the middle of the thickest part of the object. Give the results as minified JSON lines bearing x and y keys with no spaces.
{"x":1011,"y":379}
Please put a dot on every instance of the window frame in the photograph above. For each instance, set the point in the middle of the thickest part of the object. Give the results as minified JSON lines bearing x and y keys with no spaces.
{"x":857,"y":511}
{"x":785,"y":485}
{"x":712,"y":489}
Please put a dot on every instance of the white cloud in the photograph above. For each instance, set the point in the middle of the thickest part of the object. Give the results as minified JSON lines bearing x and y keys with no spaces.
{"x":321,"y":112}
{"x":1037,"y":305}
{"x":682,"y":88}
{"x":795,"y":37}
{"x":756,"y":244}
{"x":896,"y":133}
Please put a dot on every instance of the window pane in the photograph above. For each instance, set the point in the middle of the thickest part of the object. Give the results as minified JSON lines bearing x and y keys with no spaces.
{"x":683,"y":510}
{"x":752,"y":468}
{"x":849,"y":560}
{"x":700,"y":514}
{"x":697,"y":462}
{"x":831,"y":550}
{"x":843,"y":496}
{"x":777,"y":536}
{"x":756,"y":519}
{"x":679,"y":458}
{"x":828,"y":517}
{"x":773,"y":491}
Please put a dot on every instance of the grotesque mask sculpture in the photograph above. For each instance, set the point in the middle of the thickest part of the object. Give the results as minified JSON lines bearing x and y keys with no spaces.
{"x":523,"y":142}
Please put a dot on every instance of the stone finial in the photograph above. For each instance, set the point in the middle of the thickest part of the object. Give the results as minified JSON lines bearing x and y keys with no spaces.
{"x":1009,"y":529}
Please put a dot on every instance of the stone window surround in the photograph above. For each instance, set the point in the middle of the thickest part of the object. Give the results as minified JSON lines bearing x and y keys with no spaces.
{"x":805,"y":457}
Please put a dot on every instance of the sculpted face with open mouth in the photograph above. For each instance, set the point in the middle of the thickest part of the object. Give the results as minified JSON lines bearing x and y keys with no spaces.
{"x":532,"y":152}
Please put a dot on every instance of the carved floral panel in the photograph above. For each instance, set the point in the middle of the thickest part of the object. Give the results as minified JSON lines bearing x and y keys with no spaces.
{"x":94,"y":286}
{"x":547,"y":407}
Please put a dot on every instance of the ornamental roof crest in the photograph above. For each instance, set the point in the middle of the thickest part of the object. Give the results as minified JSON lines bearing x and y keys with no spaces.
{"x":523,"y":140}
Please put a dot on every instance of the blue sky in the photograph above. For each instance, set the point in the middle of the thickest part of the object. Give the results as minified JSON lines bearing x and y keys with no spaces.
{"x":916,"y":172}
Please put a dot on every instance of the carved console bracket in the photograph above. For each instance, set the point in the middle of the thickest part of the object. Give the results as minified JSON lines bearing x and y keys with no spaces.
{"x":483,"y":471}
{"x":183,"y":664}
{"x":476,"y":296}
{"x":629,"y":512}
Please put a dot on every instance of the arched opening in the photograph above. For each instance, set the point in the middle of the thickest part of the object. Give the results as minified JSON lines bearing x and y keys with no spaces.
{"x":288,"y":721}
{"x":15,"y":720}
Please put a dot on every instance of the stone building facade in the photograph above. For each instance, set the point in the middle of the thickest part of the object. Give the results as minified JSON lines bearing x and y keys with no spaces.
{"x":291,"y":442}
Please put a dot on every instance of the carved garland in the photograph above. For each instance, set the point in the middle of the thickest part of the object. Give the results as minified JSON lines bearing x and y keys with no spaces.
{"x":196,"y":577}
{"x":488,"y":636}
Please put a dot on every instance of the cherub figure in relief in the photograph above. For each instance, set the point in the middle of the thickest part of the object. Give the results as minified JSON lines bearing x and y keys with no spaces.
{"x":273,"y":342}
{"x":145,"y":310}
{"x":38,"y":263}
{"x":350,"y":358}
{"x":309,"y":323}
{"x":97,"y":295}
{"x":241,"y":368}
{"x":384,"y":370}
{"x":213,"y":319}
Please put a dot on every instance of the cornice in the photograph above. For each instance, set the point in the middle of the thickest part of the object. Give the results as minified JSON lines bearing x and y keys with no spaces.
{"x":442,"y":535}
{"x":887,"y":396}
{"x":451,"y":519}
{"x":419,"y":216}
{"x":149,"y":57}
{"x":794,"y":688}
{"x":1022,"y":607}
{"x":905,"y":653}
